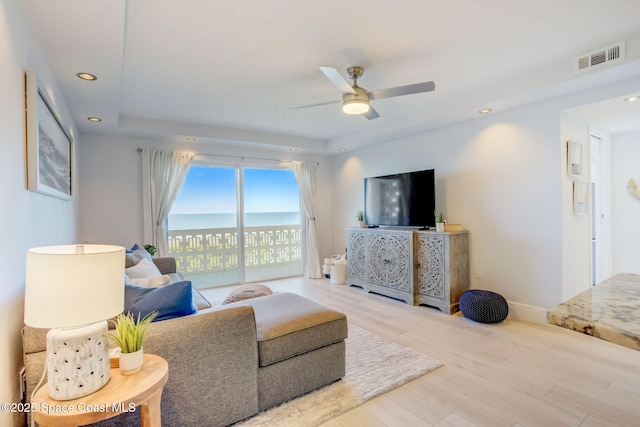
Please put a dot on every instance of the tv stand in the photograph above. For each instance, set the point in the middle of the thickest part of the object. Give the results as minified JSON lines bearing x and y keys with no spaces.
{"x":418,"y":267}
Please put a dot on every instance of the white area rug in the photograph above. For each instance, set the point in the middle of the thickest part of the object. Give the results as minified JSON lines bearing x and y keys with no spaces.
{"x":375,"y":366}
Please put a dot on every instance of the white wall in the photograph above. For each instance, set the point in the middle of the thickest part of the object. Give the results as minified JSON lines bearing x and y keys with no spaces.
{"x":576,"y":231}
{"x":625,"y":156}
{"x":111,"y":185}
{"x":504,"y":177}
{"x":491,"y":177}
{"x":27,"y":219}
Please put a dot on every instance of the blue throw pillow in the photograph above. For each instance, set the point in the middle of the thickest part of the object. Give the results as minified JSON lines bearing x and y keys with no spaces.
{"x":134,"y":255}
{"x":172,"y":300}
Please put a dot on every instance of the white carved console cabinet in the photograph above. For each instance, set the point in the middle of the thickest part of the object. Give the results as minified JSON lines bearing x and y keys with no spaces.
{"x":418,"y":267}
{"x":380,"y":260}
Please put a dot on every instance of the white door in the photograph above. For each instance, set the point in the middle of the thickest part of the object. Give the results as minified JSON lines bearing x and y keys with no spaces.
{"x":601,"y":256}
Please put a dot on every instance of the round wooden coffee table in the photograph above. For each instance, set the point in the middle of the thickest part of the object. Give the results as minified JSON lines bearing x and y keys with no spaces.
{"x":123,"y":393}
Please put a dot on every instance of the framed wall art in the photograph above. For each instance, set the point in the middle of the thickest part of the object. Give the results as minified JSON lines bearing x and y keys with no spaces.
{"x":580,"y":198}
{"x":49,"y":146}
{"x":574,"y":159}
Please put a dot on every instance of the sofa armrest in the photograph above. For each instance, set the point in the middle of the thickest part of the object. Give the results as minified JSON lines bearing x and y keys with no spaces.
{"x":166,"y":265}
{"x":213,"y":360}
{"x":34,"y":355}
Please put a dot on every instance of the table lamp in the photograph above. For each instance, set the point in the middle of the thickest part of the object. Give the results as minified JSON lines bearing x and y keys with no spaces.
{"x":74,"y":289}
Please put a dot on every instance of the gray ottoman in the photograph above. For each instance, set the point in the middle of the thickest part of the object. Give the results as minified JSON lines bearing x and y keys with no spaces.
{"x":300,"y":345}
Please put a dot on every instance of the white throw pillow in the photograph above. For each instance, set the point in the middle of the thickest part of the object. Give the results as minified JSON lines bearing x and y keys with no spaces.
{"x":143,"y":270}
{"x":151,"y":282}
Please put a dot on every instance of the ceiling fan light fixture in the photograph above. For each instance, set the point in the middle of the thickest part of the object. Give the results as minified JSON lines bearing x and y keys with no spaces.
{"x":357,"y":102}
{"x":355,"y":106}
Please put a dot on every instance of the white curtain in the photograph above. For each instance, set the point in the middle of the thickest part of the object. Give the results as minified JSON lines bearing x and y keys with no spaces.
{"x":306,"y":178}
{"x":163,"y":173}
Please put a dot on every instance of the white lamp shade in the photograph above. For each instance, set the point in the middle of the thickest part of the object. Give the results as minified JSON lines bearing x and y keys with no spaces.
{"x":73,"y":285}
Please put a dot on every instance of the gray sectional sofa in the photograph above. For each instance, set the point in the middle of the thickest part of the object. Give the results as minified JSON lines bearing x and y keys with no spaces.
{"x":230,"y":362}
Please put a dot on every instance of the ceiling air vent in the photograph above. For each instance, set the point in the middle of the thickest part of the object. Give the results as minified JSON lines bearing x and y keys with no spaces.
{"x":599,"y":57}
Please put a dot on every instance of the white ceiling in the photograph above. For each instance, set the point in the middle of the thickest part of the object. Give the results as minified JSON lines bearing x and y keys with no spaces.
{"x":229,"y":71}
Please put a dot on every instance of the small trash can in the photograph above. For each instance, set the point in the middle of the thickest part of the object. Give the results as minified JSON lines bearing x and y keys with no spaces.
{"x":339,"y":271}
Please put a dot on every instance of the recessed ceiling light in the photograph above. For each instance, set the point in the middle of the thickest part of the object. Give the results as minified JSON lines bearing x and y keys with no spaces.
{"x":191,"y":139}
{"x":87,"y":76}
{"x":631,"y":99}
{"x":94,"y":119}
{"x":485,"y":111}
{"x":342,"y":150}
{"x":293,"y":150}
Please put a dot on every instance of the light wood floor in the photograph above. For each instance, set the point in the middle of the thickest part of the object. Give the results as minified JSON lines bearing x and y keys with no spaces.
{"x":510,"y":374}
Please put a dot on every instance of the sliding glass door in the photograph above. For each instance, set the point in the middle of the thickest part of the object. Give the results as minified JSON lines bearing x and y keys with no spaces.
{"x":235,"y":225}
{"x":203,"y":227}
{"x":272,"y":244}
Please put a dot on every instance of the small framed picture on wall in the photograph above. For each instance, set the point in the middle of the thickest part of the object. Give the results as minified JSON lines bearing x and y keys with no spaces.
{"x":580,"y":198}
{"x":574,"y":159}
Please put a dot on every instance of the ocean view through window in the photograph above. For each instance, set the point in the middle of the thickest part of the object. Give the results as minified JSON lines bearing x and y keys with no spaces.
{"x":236,"y":225}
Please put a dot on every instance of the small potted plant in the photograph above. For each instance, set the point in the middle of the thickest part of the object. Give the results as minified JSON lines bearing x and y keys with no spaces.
{"x":440,"y":221}
{"x":130,"y":335}
{"x":151,"y":249}
{"x":361,"y":223}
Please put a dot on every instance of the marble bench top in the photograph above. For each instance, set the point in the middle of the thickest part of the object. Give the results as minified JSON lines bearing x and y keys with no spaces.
{"x":610,"y":311}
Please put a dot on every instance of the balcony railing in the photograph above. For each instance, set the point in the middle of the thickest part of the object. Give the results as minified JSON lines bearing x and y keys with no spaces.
{"x":215,"y":250}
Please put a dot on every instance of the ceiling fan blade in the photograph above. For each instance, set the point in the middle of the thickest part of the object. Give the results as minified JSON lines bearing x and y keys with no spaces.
{"x":371,"y":114}
{"x":402,"y":90}
{"x":337,"y":79}
{"x":313,"y":105}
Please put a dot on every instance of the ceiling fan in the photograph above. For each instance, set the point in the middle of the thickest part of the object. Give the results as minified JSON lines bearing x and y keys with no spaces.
{"x":355,"y":99}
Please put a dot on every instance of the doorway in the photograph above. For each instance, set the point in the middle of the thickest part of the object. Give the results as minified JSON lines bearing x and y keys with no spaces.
{"x":601,"y":228}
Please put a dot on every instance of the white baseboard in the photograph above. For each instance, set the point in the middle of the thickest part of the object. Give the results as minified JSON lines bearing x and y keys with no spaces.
{"x":527,"y":313}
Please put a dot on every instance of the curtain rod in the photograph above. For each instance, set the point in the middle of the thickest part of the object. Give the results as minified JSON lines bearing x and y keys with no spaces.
{"x":139,"y":150}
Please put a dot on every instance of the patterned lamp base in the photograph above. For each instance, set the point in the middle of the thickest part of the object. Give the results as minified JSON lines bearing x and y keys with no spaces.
{"x":77,"y":361}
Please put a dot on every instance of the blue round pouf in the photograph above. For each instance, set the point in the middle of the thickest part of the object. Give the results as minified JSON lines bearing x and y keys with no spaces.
{"x":484,"y":306}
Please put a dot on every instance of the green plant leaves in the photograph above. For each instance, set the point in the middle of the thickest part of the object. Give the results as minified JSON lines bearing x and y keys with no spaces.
{"x":131,"y":333}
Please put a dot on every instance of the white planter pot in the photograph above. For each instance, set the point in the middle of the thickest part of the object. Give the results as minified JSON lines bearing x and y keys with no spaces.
{"x":440,"y":226}
{"x":361,"y":224}
{"x":130,"y":363}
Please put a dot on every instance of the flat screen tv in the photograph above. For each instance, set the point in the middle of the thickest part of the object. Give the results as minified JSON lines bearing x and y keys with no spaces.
{"x":404,"y":199}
